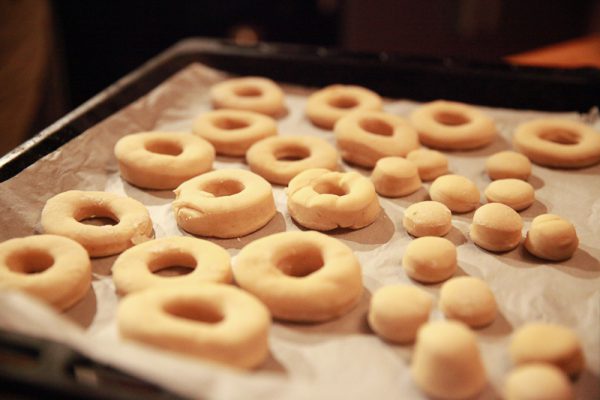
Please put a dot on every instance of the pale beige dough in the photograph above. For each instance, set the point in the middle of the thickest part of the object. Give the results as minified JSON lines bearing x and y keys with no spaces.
{"x":427,"y":218}
{"x":515,"y":193}
{"x":496,"y":227}
{"x":398,"y":311}
{"x":280,"y":158}
{"x":301,"y":276}
{"x":430,"y":259}
{"x":54,"y":269}
{"x":469,"y":300}
{"x":62,"y":215}
{"x":232,"y":132}
{"x":508,"y":164}
{"x":395,"y":177}
{"x":366,"y":136}
{"x":538,"y":381}
{"x":251,"y":93}
{"x":457,"y":192}
{"x":225,"y":203}
{"x":431,"y":163}
{"x":323,"y":200}
{"x":552,"y":238}
{"x":214,"y":322}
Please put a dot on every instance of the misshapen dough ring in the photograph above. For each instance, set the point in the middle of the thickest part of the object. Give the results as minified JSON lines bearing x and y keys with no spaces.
{"x":225,"y":203}
{"x":496,"y":227}
{"x":508,"y":164}
{"x":134,"y":269}
{"x":551,"y":237}
{"x":326,"y":106}
{"x":216,"y":322}
{"x":395,"y":177}
{"x":250,"y":93}
{"x":278,"y":159}
{"x":558,"y":143}
{"x":52,"y":268}
{"x":431,"y":163}
{"x":427,"y":218}
{"x":301,"y":276}
{"x":452,"y":126}
{"x":366,"y":136}
{"x":162,"y":160}
{"x":469,"y":300}
{"x":538,"y":381}
{"x":62,"y":215}
{"x":232,"y":132}
{"x":323,"y":200}
{"x":456,"y":192}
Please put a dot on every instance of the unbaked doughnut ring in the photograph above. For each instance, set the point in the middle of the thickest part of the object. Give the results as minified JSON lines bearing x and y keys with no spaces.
{"x":63,"y":213}
{"x":251,"y":93}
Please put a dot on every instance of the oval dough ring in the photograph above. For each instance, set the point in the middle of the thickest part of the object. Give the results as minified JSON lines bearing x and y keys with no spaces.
{"x":251,"y":93}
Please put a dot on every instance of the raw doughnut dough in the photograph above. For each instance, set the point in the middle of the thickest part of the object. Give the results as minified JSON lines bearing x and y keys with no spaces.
{"x":232,"y":132}
{"x":216,"y":322}
{"x":557,"y":142}
{"x":508,"y":164}
{"x":63,"y":213}
{"x":301,"y":276}
{"x":135,"y":268}
{"x":469,"y":300}
{"x":547,"y":343}
{"x":446,"y":362}
{"x":52,"y":268}
{"x":431,"y":163}
{"x":398,"y":311}
{"x":453,"y":126}
{"x":162,"y":160}
{"x":427,"y":218}
{"x":326,"y":106}
{"x":364,"y":137}
{"x":515,"y":193}
{"x":225,"y":203}
{"x":538,"y":382}
{"x":551,"y":237}
{"x":250,"y":93}
{"x":324,"y":200}
{"x":496,"y":227}
{"x":430,"y":259}
{"x":395,"y":177}
{"x":458,"y":193}
{"x":280,"y":158}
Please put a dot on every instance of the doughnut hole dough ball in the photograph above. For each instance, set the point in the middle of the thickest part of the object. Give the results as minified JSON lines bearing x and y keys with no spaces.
{"x":427,"y":218}
{"x":215,"y":322}
{"x":398,"y":311}
{"x":278,"y":159}
{"x":323,"y":200}
{"x":226,"y":203}
{"x":135,"y":268}
{"x":551,"y":237}
{"x":301,"y":276}
{"x":162,"y":160}
{"x":450,"y":125}
{"x":496,"y":227}
{"x":458,"y":193}
{"x":326,"y":106}
{"x":559,"y":143}
{"x":63,"y":215}
{"x":508,"y":164}
{"x":538,"y":382}
{"x":446,"y":362}
{"x":515,"y":193}
{"x":541,"y":342}
{"x":395,"y":177}
{"x":431,"y":163}
{"x":469,"y":300}
{"x":250,"y":93}
{"x":364,"y":137}
{"x":54,"y":269}
{"x":430,"y":259}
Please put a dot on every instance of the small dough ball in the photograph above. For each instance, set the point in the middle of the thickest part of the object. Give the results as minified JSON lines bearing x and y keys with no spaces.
{"x":427,"y":218}
{"x":430,"y":259}
{"x":431,"y":163}
{"x":395,"y":177}
{"x":538,"y":382}
{"x":508,"y":164}
{"x":552,"y":238}
{"x":515,"y":193}
{"x":468,"y":299}
{"x":496,"y":227}
{"x":547,"y":343}
{"x":398,"y":311}
{"x":446,"y":362}
{"x":458,"y":193}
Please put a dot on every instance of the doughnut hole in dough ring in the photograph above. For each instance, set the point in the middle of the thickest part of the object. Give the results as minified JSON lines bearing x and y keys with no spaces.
{"x":250,"y":93}
{"x":301,"y":276}
{"x":226,"y":203}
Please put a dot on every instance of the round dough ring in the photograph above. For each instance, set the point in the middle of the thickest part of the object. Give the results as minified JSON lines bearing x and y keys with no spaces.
{"x":225,"y":203}
{"x":162,"y":160}
{"x":62,"y":215}
{"x":217,"y":322}
{"x":52,"y":268}
{"x":251,"y":93}
{"x":134,"y":269}
{"x":301,"y":276}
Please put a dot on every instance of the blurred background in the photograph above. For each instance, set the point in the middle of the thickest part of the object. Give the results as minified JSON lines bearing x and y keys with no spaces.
{"x":54,"y":55}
